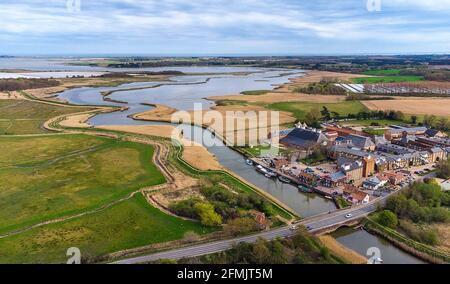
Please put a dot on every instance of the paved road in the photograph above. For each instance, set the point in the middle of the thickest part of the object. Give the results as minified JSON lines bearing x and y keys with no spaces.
{"x":314,"y":224}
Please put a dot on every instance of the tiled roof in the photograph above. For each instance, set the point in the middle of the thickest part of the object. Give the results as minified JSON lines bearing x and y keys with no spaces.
{"x":304,"y":138}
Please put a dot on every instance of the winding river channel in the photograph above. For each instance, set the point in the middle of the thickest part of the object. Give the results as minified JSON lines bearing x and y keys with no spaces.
{"x":181,"y":92}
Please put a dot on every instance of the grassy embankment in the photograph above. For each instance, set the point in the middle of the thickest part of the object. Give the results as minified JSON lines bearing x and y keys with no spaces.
{"x":26,"y":117}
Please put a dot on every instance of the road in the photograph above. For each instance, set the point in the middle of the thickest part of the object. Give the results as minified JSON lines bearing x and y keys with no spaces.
{"x":314,"y":224}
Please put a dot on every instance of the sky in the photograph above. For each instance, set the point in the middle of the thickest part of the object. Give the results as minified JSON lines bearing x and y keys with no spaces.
{"x":223,"y":27}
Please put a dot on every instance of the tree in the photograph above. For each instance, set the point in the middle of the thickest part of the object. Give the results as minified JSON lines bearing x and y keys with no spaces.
{"x":326,"y":115}
{"x":312,"y":118}
{"x":207,"y":215}
{"x":261,"y":252}
{"x":442,"y":123}
{"x":443,"y":169}
{"x":240,"y":226}
{"x":414,"y":119}
{"x":388,"y":218}
{"x":429,"y":120}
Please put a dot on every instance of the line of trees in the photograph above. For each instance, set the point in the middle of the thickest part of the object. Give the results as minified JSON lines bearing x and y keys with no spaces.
{"x":9,"y":85}
{"x":440,"y":123}
{"x":299,"y":249}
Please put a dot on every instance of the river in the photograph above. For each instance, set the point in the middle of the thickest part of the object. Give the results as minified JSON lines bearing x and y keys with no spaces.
{"x":181,"y":93}
{"x":360,"y":241}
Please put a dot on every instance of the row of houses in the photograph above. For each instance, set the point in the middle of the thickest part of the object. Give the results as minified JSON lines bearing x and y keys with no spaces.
{"x":376,"y":161}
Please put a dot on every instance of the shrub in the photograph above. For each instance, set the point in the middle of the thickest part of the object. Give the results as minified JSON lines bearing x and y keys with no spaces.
{"x":207,"y":215}
{"x":388,"y":219}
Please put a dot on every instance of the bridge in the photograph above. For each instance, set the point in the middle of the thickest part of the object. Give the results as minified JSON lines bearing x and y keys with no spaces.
{"x":318,"y":224}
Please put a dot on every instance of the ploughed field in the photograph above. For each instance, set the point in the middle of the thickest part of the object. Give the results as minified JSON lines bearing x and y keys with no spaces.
{"x":43,"y":178}
{"x":26,"y":117}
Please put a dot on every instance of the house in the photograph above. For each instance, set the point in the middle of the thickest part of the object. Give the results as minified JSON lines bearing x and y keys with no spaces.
{"x":334,"y":180}
{"x":260,"y":219}
{"x":279,"y":162}
{"x":280,"y":134}
{"x":305,"y":139}
{"x":392,"y":177}
{"x":397,"y":132}
{"x":374,"y":183}
{"x":360,"y":197}
{"x":361,"y":142}
{"x":352,"y":169}
{"x":434,"y":133}
{"x":331,"y":135}
{"x":344,"y":131}
{"x":436,"y":154}
{"x":354,"y":195}
{"x":368,"y":166}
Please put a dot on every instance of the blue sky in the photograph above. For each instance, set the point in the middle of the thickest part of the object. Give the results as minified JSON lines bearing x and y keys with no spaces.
{"x":167,"y":27}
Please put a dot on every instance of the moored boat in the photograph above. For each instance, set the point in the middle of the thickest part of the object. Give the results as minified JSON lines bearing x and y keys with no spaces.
{"x":284,"y":179}
{"x":305,"y":189}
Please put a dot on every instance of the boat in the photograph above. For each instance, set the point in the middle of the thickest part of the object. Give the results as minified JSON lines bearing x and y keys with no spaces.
{"x":284,"y":179}
{"x":305,"y":189}
{"x":261,"y":169}
{"x":249,"y":162}
{"x":271,"y":174}
{"x":328,"y":197}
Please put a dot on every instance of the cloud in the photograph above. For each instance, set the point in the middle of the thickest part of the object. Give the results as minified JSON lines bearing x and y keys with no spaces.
{"x":275,"y":22}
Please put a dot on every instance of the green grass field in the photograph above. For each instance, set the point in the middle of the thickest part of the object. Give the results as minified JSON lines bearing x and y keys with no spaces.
{"x":255,"y":92}
{"x":58,"y":177}
{"x":26,"y":117}
{"x":130,"y":224}
{"x":386,"y":72}
{"x":300,"y":109}
{"x":387,"y":79}
{"x":368,"y":122}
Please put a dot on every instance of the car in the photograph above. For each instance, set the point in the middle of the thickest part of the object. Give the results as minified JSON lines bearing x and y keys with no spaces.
{"x":293,"y":227}
{"x":348,"y":216}
{"x":309,"y":228}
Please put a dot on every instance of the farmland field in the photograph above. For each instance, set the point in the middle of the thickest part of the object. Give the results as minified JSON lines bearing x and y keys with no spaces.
{"x":43,"y":178}
{"x":130,"y":224}
{"x":300,"y":109}
{"x":26,"y":117}
{"x":387,"y":79}
{"x":438,"y":107}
